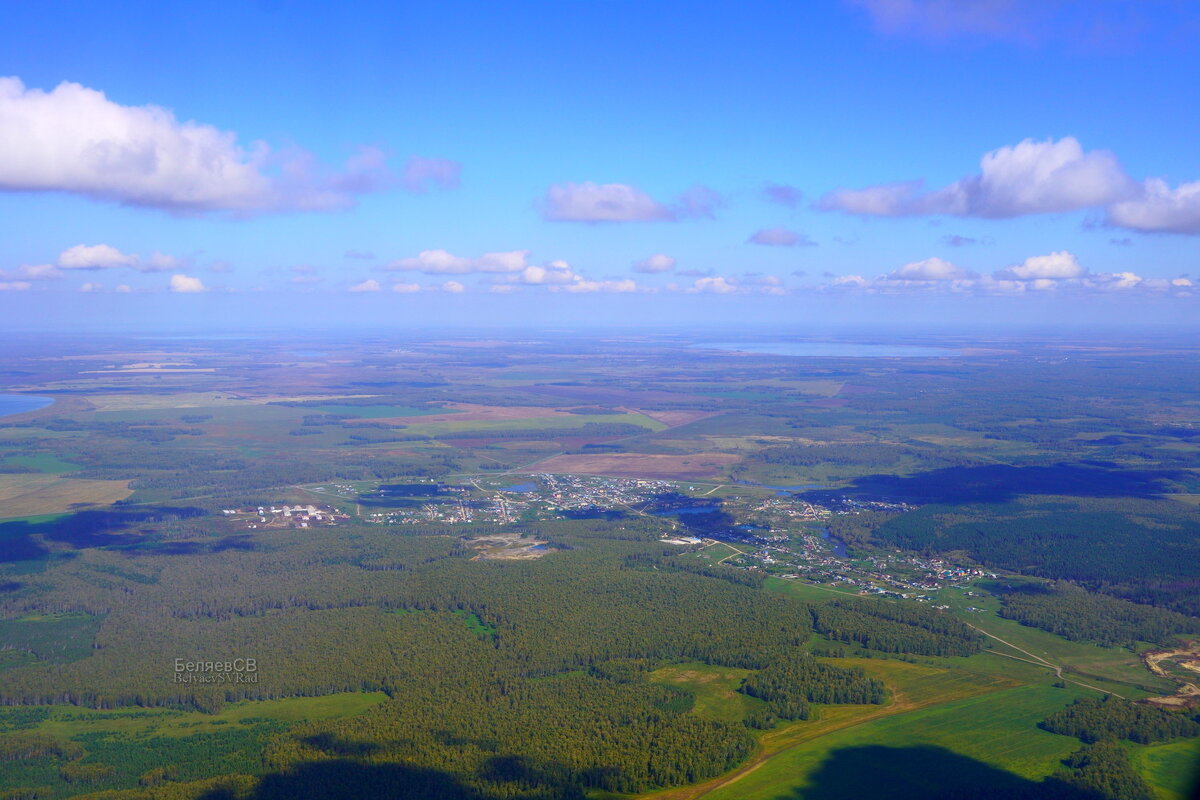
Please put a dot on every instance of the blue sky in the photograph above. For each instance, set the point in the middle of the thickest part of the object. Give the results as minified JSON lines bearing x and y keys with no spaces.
{"x":484,"y":162}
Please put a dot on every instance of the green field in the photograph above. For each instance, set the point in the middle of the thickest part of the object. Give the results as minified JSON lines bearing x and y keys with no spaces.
{"x":42,"y":462}
{"x":998,"y":729}
{"x":377,"y":411}
{"x":713,"y":688}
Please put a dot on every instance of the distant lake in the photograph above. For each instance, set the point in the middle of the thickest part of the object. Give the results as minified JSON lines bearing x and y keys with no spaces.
{"x":832,"y":349}
{"x":21,"y":403}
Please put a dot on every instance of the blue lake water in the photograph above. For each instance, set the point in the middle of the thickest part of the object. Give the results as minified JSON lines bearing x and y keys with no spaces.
{"x":832,"y":349}
{"x":687,"y":510}
{"x":836,"y":545}
{"x":521,"y":487}
{"x":21,"y":403}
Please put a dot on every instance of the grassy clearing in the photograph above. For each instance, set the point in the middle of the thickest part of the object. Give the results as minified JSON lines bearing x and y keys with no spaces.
{"x":912,"y":687}
{"x":1110,"y":668}
{"x":998,"y":729}
{"x":714,"y":689}
{"x":64,"y":722}
{"x":58,"y":638}
{"x":1115,"y":665}
{"x":32,"y":494}
{"x":43,"y":462}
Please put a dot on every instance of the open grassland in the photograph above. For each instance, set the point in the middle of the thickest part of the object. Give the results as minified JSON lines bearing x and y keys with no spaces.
{"x":31,"y":494}
{"x":911,"y":687}
{"x":637,"y":465}
{"x":714,"y":689}
{"x":1171,"y":769}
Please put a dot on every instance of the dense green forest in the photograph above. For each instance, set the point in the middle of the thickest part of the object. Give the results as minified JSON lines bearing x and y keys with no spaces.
{"x":1068,"y":611}
{"x":1092,"y":719}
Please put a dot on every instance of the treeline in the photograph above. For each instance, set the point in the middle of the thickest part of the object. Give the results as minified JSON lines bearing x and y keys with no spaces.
{"x":1091,"y":719}
{"x":795,"y":679}
{"x":895,"y":628}
{"x":1076,"y":614}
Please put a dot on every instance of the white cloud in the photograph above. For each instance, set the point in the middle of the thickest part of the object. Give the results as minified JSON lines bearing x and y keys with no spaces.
{"x":186,"y":284}
{"x":406,"y":288}
{"x":659,"y":262}
{"x":14,"y":286}
{"x":609,"y":202}
{"x":1028,"y":178}
{"x":32,"y":272}
{"x":74,"y":139}
{"x":713,"y":285}
{"x":1160,"y":208}
{"x":369,"y":285}
{"x":780,"y":237}
{"x":91,"y":287}
{"x":442,"y":262}
{"x":555,"y":273}
{"x":453,"y":287}
{"x":621,"y":286}
{"x":1056,"y":266}
{"x":97,"y":256}
{"x":930,"y":269}
{"x":420,"y":173}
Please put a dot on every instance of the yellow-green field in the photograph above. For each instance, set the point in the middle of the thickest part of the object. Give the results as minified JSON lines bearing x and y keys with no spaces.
{"x":32,"y":494}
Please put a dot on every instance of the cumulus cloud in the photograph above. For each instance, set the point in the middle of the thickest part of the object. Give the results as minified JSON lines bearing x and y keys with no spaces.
{"x":930,"y":269}
{"x":780,"y":237}
{"x":32,"y":272}
{"x":74,"y":139}
{"x":1028,"y":178}
{"x":608,"y":202}
{"x":442,"y":262}
{"x":97,"y":256}
{"x":421,"y":173}
{"x":14,"y":286}
{"x":619,"y":202}
{"x":1159,"y":208}
{"x":406,"y":288}
{"x":659,"y":262}
{"x":619,"y":286}
{"x":186,"y":284}
{"x":91,"y":287}
{"x":783,"y":194}
{"x":369,"y":285}
{"x":103,"y":256}
{"x":453,"y":287}
{"x":714,"y":285}
{"x":1056,"y":266}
